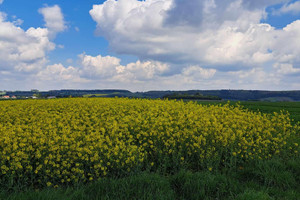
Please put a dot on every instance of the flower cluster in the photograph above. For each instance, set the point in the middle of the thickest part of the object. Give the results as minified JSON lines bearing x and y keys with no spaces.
{"x":65,"y":141}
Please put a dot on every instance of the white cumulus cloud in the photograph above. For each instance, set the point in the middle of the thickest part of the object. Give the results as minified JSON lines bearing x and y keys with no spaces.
{"x":99,"y":66}
{"x":54,"y":19}
{"x":59,"y":73}
{"x":293,"y":8}
{"x":107,"y":72}
{"x":24,"y":54}
{"x":287,"y":69}
{"x":209,"y":33}
{"x":109,"y":68}
{"x":22,"y":50}
{"x":141,"y":71}
{"x":197,"y":72}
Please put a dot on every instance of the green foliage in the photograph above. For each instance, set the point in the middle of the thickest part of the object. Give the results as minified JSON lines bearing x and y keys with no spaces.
{"x":253,"y":195}
{"x":143,"y":186}
{"x":242,"y":95}
{"x":272,"y":179}
{"x":185,"y":96}
{"x":203,"y":185}
{"x":293,"y":108}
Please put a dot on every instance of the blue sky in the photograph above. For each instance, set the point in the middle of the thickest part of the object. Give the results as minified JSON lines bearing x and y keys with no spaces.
{"x":150,"y":45}
{"x":280,"y":21}
{"x":76,"y":14}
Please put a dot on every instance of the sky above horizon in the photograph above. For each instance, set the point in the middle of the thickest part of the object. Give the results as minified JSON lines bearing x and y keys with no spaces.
{"x":150,"y":44}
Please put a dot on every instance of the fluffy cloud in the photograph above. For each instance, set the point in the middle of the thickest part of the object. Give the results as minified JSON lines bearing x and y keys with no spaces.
{"x":57,"y":76}
{"x":256,"y":76}
{"x":109,"y":68}
{"x":209,"y":33}
{"x":26,"y":50}
{"x":197,"y":72}
{"x":213,"y":13}
{"x":24,"y":53}
{"x":1,"y":1}
{"x":54,"y":19}
{"x":105,"y":68}
{"x":293,"y":8}
{"x":58,"y":72}
{"x":141,"y":71}
{"x":107,"y":72}
{"x":287,"y":69}
{"x":22,"y":50}
{"x":195,"y":44}
{"x":99,"y":67}
{"x":258,"y":4}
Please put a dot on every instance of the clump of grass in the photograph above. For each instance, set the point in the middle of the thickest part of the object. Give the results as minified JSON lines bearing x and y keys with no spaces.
{"x":253,"y":181}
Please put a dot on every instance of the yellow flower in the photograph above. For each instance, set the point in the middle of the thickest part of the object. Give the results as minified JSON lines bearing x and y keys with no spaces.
{"x":77,"y":140}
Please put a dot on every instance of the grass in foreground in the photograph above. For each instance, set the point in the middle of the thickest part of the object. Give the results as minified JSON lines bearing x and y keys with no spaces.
{"x":264,"y":180}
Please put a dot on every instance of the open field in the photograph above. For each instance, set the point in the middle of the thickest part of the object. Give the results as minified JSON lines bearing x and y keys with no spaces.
{"x":96,"y":95}
{"x":102,"y":95}
{"x":114,"y":148}
{"x":265,"y":107}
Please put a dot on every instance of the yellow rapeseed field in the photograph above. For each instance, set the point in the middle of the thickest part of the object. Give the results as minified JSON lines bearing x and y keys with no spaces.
{"x":66,"y":141}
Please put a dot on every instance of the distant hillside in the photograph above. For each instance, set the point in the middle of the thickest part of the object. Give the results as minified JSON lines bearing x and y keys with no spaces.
{"x":184,"y":96}
{"x":68,"y":93}
{"x":253,"y":94}
{"x":240,"y":95}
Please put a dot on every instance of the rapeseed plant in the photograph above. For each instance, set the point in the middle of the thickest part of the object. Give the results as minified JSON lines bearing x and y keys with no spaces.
{"x":67,"y":141}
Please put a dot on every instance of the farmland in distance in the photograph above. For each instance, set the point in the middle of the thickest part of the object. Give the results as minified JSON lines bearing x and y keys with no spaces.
{"x":265,"y":107}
